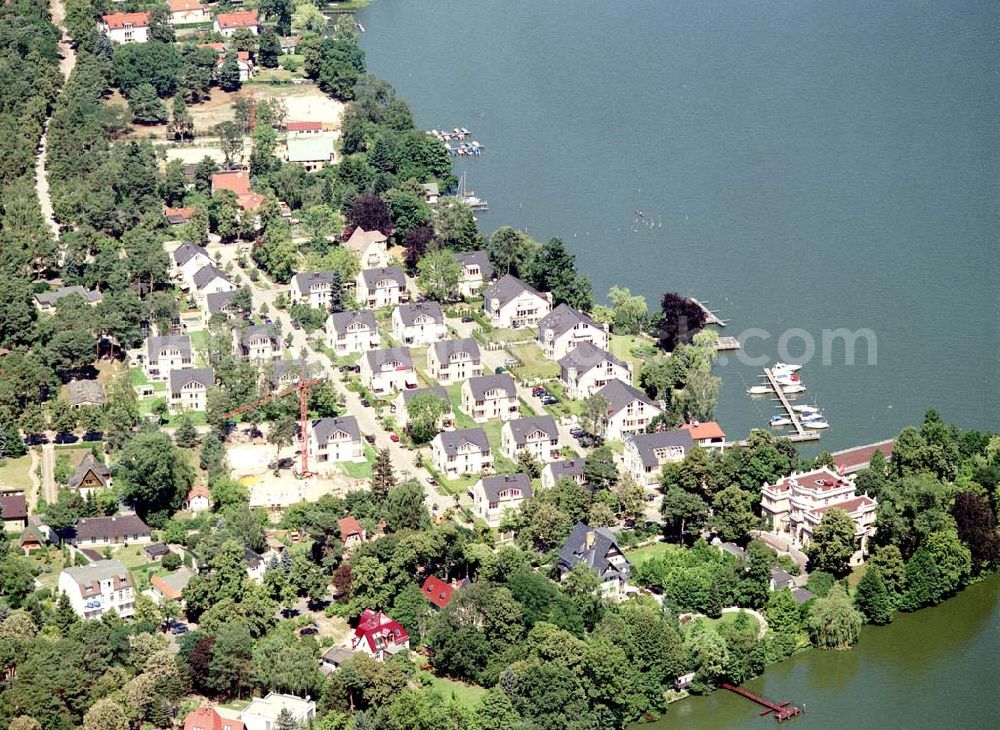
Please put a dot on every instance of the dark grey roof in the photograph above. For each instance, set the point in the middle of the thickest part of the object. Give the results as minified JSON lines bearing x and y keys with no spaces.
{"x":521,"y":428}
{"x":156,"y":548}
{"x":256,"y":330}
{"x":206,"y":274}
{"x":497,"y":483}
{"x":105,"y":528}
{"x":180,"y":378}
{"x":342,"y":320}
{"x":563,"y":318}
{"x":287,"y":367}
{"x":619,"y":395}
{"x":79,"y":392}
{"x":372,"y":277}
{"x":155,"y":344}
{"x":506,"y":288}
{"x":437,"y":390}
{"x":377,"y":358}
{"x":308,"y":279}
{"x":480,"y":385}
{"x":452,"y":440}
{"x":187,"y":251}
{"x":782,"y":579}
{"x":324,"y":428}
{"x":444,"y":349}
{"x":408,"y":312}
{"x":733,"y":549}
{"x":467,"y":258}
{"x":646,"y":444}
{"x":802,"y":595}
{"x":51,"y":297}
{"x":218,"y":301}
{"x":568,"y":468}
{"x":89,"y":463}
{"x":593,"y":546}
{"x":586,"y":356}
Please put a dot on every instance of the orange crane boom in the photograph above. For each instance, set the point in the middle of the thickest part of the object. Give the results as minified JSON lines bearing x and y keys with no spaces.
{"x":302,"y":387}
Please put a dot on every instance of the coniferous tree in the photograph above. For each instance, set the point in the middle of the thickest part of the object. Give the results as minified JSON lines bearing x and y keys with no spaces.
{"x":383,"y":476}
{"x":873,"y":599}
{"x":229,"y":74}
{"x":337,"y":299}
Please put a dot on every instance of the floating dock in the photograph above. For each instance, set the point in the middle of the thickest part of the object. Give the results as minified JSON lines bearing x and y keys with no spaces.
{"x":710,"y":316}
{"x":801,"y":432}
{"x":782,"y":710}
{"x":727,"y":343}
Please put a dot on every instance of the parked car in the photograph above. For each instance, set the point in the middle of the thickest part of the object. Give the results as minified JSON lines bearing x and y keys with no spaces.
{"x":308,"y":631}
{"x":467,"y":320}
{"x":370,"y":438}
{"x":537,"y":391}
{"x":549,"y":400}
{"x":432,"y":481}
{"x":365,"y":403}
{"x":178,"y":629}
{"x":500,"y":370}
{"x":394,"y":438}
{"x":576,"y":432}
{"x":296,"y":325}
{"x":510,"y":362}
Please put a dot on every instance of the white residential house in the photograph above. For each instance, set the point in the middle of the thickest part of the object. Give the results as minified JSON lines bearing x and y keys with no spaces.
{"x":493,"y":495}
{"x":477,"y":271}
{"x":586,"y":369}
{"x":564,"y":328}
{"x":377,"y":288}
{"x":185,"y":12}
{"x":509,"y":302}
{"x":708,"y":434}
{"x":94,"y":532}
{"x":629,"y":410}
{"x":166,"y":354}
{"x":405,"y":397}
{"x":312,"y":151}
{"x":490,"y":397}
{"x":370,"y":246}
{"x":461,"y":452}
{"x":565,"y":469}
{"x":598,"y":550}
{"x":189,"y":259}
{"x":388,"y":370}
{"x":451,"y":361}
{"x":262,"y":713}
{"x":218,"y":303}
{"x":47,"y":301}
{"x":243,"y":63}
{"x":211,"y":280}
{"x":99,"y":588}
{"x":646,"y":453}
{"x":334,"y":440}
{"x":419,"y":324}
{"x":226,"y":24}
{"x":255,"y":343}
{"x":538,"y":435}
{"x":312,"y":288}
{"x":198,"y":499}
{"x":795,"y":506}
{"x":189,"y":388}
{"x":126,"y":27}
{"x":348,"y":332}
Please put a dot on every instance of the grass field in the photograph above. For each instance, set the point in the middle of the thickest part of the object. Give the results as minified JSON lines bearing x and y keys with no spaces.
{"x":467,"y":694}
{"x":631,"y":349}
{"x":506,"y":335}
{"x":16,"y":472}
{"x":641,"y":555}
{"x":534,"y":364}
{"x":360,"y":469}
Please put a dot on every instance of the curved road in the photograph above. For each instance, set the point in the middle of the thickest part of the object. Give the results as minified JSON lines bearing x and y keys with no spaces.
{"x":66,"y":65}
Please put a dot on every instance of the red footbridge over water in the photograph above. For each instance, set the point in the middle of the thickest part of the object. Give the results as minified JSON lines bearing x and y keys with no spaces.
{"x":782,"y":711}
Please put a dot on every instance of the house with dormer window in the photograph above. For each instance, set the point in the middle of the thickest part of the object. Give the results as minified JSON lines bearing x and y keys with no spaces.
{"x":461,"y":452}
{"x":564,"y":328}
{"x":452,"y":361}
{"x":493,"y":495}
{"x":167,"y":353}
{"x":189,"y":388}
{"x":370,"y":246}
{"x":646,"y":453}
{"x":629,"y":410}
{"x":490,"y":397}
{"x":537,"y":435}
{"x":355,"y":331}
{"x":334,"y":440}
{"x":383,"y":287}
{"x":312,"y":288}
{"x":509,"y":302}
{"x":586,"y":369}
{"x":255,"y":343}
{"x":477,"y":272}
{"x":421,"y":323}
{"x":388,"y":371}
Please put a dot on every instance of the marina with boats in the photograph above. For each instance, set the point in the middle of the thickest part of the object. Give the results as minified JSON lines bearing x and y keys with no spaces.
{"x":784,"y":382}
{"x":458,"y":135}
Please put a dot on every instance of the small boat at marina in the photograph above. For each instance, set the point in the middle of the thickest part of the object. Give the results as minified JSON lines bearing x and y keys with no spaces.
{"x":785,"y":367}
{"x":780,"y":421}
{"x":793,"y":389}
{"x":759,"y":390}
{"x":816,"y":423}
{"x":805,"y":409}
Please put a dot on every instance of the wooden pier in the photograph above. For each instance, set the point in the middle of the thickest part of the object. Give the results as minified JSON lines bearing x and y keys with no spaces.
{"x":782,"y":710}
{"x":710,"y":316}
{"x":727,"y":343}
{"x":801,"y":432}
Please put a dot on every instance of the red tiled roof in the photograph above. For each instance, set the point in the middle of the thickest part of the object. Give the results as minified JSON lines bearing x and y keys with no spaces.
{"x":199,"y":491}
{"x":707,"y":430}
{"x":349,"y":526}
{"x":438,"y":592}
{"x":182,"y":213}
{"x":250,"y":201}
{"x":206,"y":718}
{"x":375,"y":623}
{"x":13,"y":507}
{"x":240,"y":19}
{"x":236,"y":180}
{"x":822,"y":480}
{"x":177,"y":6}
{"x":304,"y":126}
{"x":116,"y":21}
{"x":213,"y":46}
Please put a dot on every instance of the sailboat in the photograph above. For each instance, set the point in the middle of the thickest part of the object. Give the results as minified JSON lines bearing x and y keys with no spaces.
{"x":468,"y":197}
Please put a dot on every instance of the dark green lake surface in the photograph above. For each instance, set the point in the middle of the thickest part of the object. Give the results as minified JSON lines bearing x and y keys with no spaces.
{"x":812,"y":165}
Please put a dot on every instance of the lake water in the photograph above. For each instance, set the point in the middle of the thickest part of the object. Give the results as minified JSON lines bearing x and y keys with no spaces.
{"x":803,"y":165}
{"x":800,"y":166}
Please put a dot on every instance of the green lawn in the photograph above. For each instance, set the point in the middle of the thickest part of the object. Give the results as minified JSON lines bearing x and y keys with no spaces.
{"x":16,"y":472}
{"x":507,"y":335}
{"x":534,"y":364}
{"x":467,"y":694}
{"x":137,"y":376}
{"x":632,"y":349}
{"x":638,"y":556}
{"x":360,"y":469}
{"x":462,"y":419}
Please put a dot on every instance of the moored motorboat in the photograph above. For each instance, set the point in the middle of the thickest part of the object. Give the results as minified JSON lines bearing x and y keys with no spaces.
{"x":816,"y":423}
{"x":759,"y":390}
{"x":785,"y":367}
{"x":794,"y":388}
{"x":780,"y":421}
{"x":805,"y":409}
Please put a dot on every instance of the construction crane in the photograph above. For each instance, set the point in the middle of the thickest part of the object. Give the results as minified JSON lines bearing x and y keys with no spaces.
{"x":302,"y":388}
